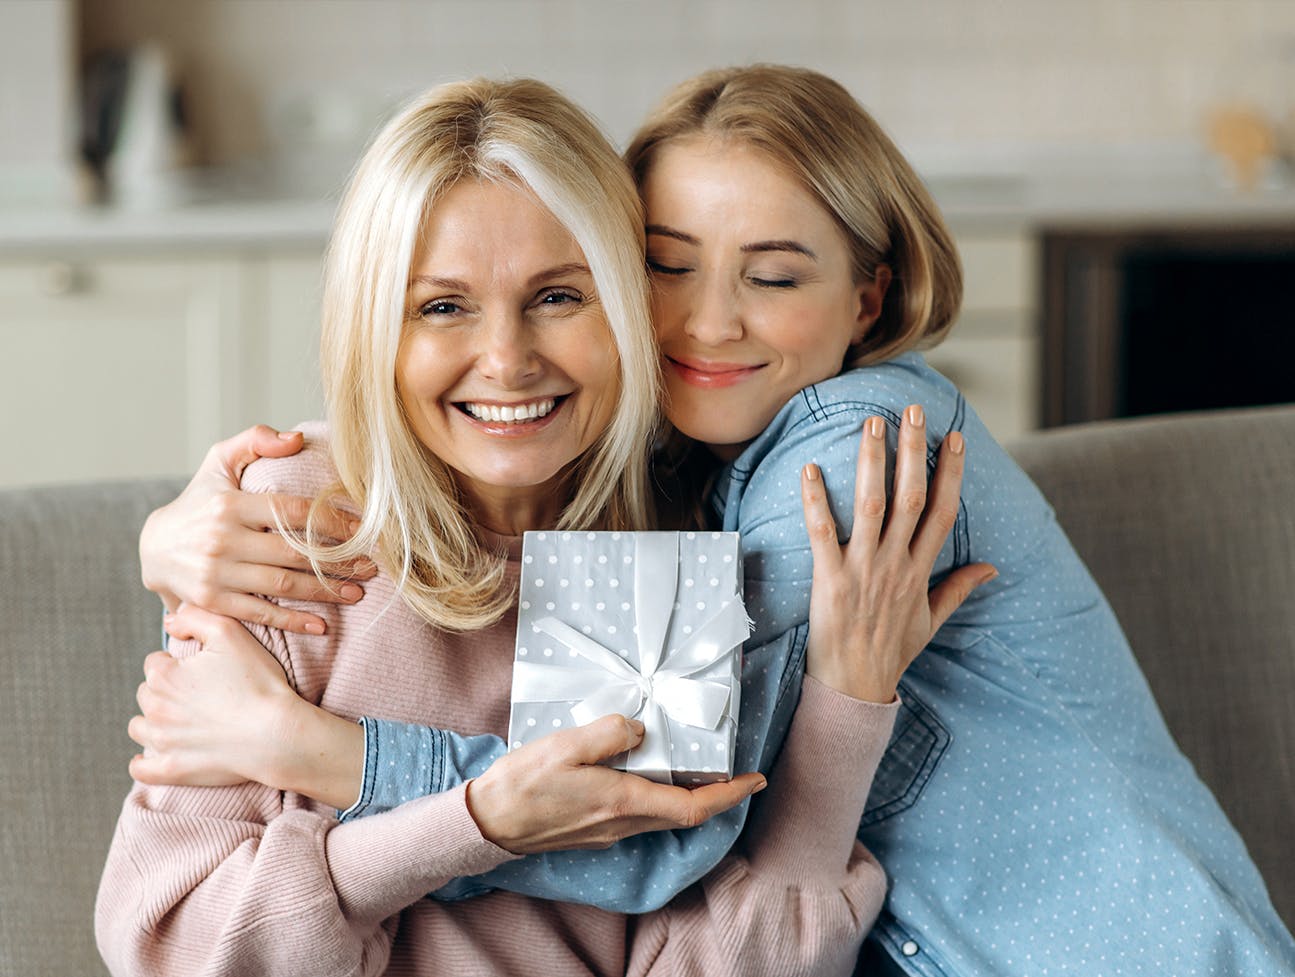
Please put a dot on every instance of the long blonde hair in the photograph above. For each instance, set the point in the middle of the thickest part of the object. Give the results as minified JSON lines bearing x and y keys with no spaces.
{"x":413,"y":519}
{"x":812,"y":126}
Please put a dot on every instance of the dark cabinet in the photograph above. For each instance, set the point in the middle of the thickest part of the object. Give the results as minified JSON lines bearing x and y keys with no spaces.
{"x":1155,"y":321}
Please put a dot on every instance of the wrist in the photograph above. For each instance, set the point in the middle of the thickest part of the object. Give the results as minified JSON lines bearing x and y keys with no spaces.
{"x":482,"y":799}
{"x":316,"y":754}
{"x":865,"y":688}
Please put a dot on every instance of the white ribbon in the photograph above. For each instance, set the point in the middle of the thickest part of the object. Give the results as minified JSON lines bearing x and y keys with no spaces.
{"x":662,"y":686}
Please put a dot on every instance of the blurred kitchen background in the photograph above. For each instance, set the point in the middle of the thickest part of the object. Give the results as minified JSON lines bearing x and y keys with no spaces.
{"x":1120,"y":175}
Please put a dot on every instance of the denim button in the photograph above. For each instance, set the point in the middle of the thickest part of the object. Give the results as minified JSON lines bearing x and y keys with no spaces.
{"x":909,"y":949}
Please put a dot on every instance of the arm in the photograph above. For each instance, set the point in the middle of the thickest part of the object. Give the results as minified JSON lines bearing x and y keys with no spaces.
{"x":228,"y":715}
{"x":801,"y":892}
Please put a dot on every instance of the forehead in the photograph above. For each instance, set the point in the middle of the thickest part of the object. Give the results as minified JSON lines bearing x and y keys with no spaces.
{"x":491,"y":231}
{"x":703,"y":174}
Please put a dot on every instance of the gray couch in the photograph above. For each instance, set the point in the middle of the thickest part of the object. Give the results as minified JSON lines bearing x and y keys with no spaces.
{"x":1188,"y":523}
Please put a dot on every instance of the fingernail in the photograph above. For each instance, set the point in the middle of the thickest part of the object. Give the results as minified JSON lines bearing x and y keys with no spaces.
{"x":811,"y":472}
{"x":956,"y":443}
{"x":353,"y":526}
{"x":876,"y":427}
{"x":916,"y":416}
{"x":760,"y":786}
{"x":288,"y":435}
{"x":636,"y":727}
{"x":351,"y":592}
{"x":989,"y":575}
{"x":314,"y":627}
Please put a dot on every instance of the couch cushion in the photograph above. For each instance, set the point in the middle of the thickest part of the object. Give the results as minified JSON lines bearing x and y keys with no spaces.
{"x":75,"y":624}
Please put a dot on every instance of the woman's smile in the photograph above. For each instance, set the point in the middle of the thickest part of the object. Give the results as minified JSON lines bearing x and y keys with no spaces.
{"x":512,"y":419}
{"x":711,"y":373}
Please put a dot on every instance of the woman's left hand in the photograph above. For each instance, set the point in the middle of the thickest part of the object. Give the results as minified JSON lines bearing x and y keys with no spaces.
{"x":870,"y":611}
{"x":220,"y":716}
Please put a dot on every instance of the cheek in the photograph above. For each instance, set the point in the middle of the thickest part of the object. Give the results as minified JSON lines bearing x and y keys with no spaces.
{"x":813,"y":334}
{"x":669,"y":308}
{"x":420,"y":373}
{"x":604,"y":378}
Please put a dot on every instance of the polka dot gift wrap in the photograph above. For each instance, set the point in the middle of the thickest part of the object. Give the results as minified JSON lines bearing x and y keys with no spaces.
{"x":649,"y":625}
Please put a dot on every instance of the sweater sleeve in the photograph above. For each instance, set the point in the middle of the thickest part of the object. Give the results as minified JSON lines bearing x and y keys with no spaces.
{"x":244,"y":879}
{"x":800,"y":893}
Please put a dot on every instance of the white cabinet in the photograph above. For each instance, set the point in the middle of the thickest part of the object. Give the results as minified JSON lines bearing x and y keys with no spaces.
{"x":992,"y":354}
{"x":133,"y":366}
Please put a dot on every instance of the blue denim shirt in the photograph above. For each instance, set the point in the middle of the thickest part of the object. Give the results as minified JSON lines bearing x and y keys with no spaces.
{"x":1032,"y":811}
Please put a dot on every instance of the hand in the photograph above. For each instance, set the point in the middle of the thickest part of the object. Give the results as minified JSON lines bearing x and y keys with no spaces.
{"x":552,"y":794}
{"x":227,"y":714}
{"x":870,"y":613}
{"x":213,"y":546}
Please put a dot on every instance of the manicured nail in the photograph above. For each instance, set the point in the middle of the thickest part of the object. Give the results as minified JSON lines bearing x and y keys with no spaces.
{"x":636,"y":727}
{"x":916,"y":416}
{"x":353,"y":526}
{"x":876,"y":427}
{"x":351,"y":592}
{"x":760,"y":786}
{"x":288,"y":435}
{"x":956,"y":444}
{"x":811,"y":472}
{"x":989,"y":575}
{"x":314,"y":627}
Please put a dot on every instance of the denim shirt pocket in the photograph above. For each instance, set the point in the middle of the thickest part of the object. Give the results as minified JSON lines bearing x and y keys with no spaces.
{"x":916,"y":746}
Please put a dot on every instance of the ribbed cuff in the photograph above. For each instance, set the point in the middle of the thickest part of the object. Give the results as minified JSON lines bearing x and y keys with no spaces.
{"x":383,"y":863}
{"x":822,"y":778}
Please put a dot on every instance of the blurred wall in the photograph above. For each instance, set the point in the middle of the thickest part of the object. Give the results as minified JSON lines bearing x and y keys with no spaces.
{"x":303,"y":76}
{"x":37,"y":100}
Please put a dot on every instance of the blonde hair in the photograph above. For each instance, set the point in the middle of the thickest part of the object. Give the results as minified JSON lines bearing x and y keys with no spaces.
{"x":811,"y":125}
{"x":413,"y":519}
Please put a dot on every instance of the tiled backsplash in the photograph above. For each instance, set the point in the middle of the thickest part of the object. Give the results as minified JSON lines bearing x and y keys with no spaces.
{"x":271,"y":75}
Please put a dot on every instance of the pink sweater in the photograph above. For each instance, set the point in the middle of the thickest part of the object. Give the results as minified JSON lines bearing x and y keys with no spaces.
{"x":247,"y":880}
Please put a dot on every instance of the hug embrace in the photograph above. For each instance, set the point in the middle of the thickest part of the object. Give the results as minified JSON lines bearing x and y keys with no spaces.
{"x":945,"y":747}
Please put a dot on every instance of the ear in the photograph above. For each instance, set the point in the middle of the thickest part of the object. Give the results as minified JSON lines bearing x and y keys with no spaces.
{"x":871,"y":297}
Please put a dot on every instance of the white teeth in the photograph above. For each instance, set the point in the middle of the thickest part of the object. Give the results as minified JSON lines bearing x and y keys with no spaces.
{"x":510,"y":413}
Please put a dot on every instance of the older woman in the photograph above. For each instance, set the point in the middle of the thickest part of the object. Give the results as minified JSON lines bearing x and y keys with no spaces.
{"x":489,"y":368}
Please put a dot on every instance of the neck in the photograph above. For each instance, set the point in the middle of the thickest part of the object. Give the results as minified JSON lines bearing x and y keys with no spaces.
{"x":512,"y":511}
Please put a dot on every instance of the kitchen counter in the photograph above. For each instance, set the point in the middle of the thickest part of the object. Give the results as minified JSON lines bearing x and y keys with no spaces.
{"x":1023,"y":195}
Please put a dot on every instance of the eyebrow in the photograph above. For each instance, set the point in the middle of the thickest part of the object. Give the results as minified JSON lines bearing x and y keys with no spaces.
{"x":795,"y":247}
{"x":755,"y":247}
{"x":458,"y":285}
{"x":664,"y":231}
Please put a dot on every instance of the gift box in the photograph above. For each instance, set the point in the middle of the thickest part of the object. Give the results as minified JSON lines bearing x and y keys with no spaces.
{"x":649,"y":625}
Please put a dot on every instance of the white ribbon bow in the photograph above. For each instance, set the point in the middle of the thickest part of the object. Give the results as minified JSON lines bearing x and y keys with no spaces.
{"x":662,"y":686}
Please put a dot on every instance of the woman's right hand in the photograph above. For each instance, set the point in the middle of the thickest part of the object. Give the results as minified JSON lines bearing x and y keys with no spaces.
{"x":553,"y":794}
{"x":214,"y":547}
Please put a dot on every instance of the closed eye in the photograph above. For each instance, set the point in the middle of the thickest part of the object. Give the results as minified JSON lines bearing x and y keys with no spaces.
{"x":774,"y":282}
{"x":658,"y":268}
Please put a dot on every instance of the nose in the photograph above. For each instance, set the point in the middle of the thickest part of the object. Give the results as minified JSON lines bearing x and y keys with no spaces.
{"x":714,"y":317}
{"x":507,"y":354}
